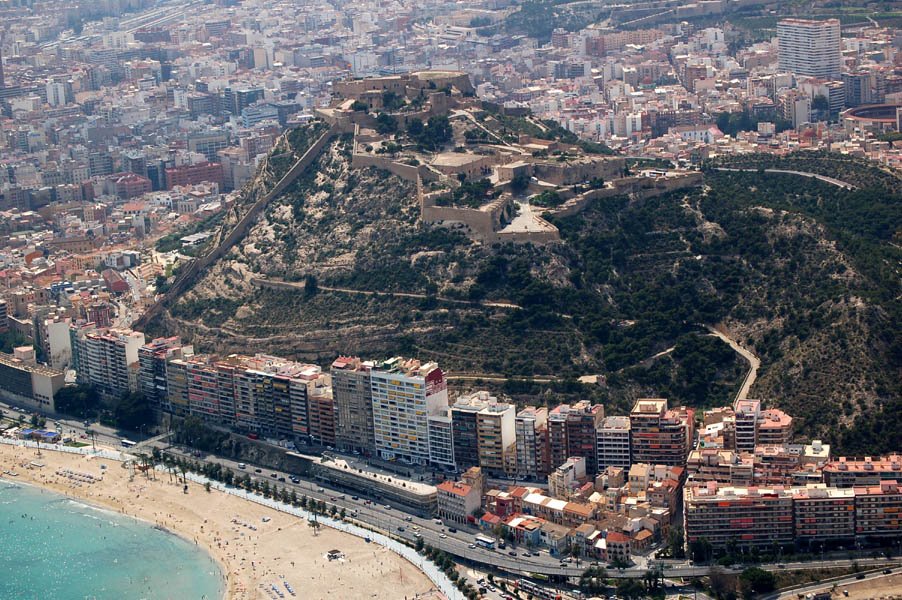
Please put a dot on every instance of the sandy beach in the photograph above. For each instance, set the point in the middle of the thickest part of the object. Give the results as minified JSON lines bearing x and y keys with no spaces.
{"x":253,"y":554}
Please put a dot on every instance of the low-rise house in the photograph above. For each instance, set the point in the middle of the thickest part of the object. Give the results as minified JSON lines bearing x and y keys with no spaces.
{"x":525,"y":529}
{"x":555,"y":537}
{"x":618,"y":547}
{"x":456,"y":501}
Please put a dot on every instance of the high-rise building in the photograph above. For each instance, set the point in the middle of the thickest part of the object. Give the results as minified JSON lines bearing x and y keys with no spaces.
{"x":582,"y":421}
{"x":774,"y":428}
{"x":753,"y":426}
{"x":613,"y":443}
{"x":321,"y":415}
{"x":261,"y":394}
{"x":106,"y":359}
{"x":824,"y":514}
{"x":749,"y":517}
{"x":878,"y":509}
{"x":152,"y":360}
{"x":767,"y":516}
{"x":495,"y":431}
{"x":557,"y":436}
{"x":660,"y":436}
{"x":441,"y":440}
{"x":464,"y":429}
{"x":2,"y":78}
{"x":571,"y":432}
{"x":531,"y":428}
{"x":405,"y":393}
{"x":194,"y":174}
{"x":354,"y":401}
{"x":810,"y":47}
{"x":857,"y":87}
{"x":747,"y":413}
{"x":209,"y":142}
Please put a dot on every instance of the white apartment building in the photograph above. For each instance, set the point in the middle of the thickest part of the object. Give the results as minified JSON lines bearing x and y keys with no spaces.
{"x":810,"y":47}
{"x":405,"y":394}
{"x":106,"y":359}
{"x":441,"y":442}
{"x":58,"y":345}
{"x":496,"y":435}
{"x":613,"y":443}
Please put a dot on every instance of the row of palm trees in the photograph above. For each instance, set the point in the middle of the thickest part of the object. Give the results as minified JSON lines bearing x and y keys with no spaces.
{"x":177,"y":467}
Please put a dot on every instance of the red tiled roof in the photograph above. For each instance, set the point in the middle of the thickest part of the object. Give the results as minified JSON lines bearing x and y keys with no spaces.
{"x":454,"y":487}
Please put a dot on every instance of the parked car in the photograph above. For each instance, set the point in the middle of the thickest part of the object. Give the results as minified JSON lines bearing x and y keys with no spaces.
{"x":242,"y":466}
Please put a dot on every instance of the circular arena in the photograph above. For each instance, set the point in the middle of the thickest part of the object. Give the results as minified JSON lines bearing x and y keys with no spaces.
{"x":872,"y":117}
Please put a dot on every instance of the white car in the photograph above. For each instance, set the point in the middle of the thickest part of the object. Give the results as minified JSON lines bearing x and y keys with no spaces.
{"x":443,"y":536}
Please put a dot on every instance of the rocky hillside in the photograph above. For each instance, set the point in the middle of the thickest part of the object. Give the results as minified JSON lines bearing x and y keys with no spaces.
{"x":797,"y":270}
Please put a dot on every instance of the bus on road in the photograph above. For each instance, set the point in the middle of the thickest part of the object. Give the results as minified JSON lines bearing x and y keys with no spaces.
{"x":128,"y":443}
{"x":485,"y":542}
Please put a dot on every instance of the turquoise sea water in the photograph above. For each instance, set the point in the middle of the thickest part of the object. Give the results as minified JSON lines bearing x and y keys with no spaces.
{"x":52,"y":547}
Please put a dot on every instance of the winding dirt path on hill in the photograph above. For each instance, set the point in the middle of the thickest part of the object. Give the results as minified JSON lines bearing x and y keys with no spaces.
{"x":277,"y":284}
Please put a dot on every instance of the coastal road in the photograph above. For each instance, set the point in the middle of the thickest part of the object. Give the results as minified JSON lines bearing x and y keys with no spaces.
{"x":389,"y":520}
{"x":827,"y":586}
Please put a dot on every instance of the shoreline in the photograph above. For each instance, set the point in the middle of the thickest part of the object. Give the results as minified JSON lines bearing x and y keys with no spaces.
{"x":112,"y":511}
{"x":250,"y":556}
{"x":100,"y":505}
